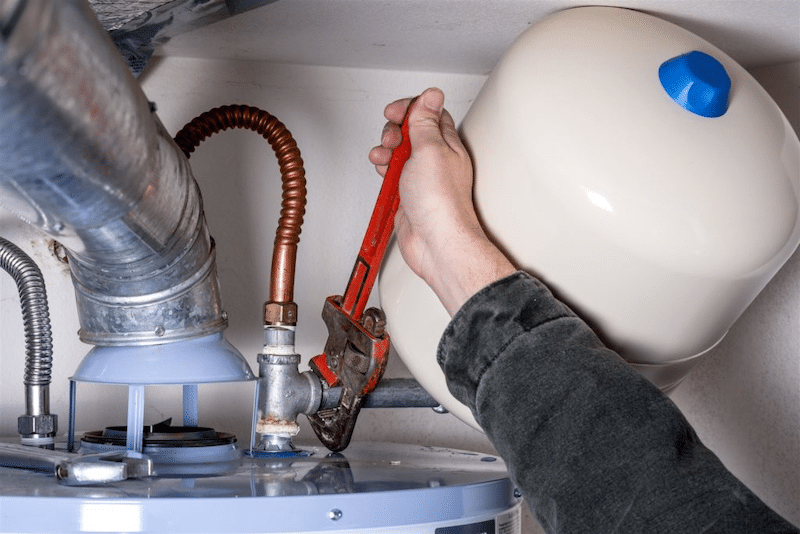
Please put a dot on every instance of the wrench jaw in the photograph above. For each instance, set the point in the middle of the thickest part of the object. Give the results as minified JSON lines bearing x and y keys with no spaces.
{"x":355,"y":359}
{"x":334,"y":427}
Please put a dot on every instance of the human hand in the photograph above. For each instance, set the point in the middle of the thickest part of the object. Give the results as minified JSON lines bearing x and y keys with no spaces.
{"x":438,"y":231}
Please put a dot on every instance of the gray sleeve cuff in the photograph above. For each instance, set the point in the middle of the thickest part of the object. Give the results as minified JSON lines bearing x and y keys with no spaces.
{"x":488,"y":323}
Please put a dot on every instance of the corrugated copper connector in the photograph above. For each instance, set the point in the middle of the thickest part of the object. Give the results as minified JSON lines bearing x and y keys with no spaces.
{"x":279,"y":310}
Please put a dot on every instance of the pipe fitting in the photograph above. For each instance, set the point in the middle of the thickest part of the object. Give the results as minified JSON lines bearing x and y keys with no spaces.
{"x":33,"y":426}
{"x":280,"y":313}
{"x":283,"y":392}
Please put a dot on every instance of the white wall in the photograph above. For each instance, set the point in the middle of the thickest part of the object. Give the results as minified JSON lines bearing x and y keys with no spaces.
{"x":744,"y":400}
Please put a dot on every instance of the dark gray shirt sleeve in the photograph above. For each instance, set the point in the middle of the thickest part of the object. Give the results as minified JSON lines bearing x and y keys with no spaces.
{"x":593,"y":446}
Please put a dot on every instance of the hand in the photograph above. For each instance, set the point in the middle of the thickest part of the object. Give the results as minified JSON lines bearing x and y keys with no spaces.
{"x":438,"y":231}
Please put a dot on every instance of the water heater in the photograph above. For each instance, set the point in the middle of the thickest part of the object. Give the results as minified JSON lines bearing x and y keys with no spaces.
{"x":637,"y":170}
{"x":84,"y":158}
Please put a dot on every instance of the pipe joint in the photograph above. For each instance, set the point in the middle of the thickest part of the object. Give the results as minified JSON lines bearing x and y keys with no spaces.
{"x":39,"y":428}
{"x":280,"y":313}
{"x":284,"y":393}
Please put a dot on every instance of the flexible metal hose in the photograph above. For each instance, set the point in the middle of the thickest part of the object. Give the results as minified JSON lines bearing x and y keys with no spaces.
{"x":293,"y":179}
{"x":35,"y":312}
{"x":37,"y":426}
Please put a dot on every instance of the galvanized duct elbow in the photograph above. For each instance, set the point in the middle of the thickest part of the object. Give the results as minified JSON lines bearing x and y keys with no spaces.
{"x":86,"y":160}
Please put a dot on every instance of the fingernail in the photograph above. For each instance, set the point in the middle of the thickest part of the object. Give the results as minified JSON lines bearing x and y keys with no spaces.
{"x":433,"y":101}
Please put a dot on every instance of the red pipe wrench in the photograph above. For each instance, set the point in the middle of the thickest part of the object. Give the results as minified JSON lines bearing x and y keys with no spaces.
{"x":357,"y":348}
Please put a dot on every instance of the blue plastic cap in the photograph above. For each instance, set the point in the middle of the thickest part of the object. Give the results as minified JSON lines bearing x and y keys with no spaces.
{"x":697,"y":82}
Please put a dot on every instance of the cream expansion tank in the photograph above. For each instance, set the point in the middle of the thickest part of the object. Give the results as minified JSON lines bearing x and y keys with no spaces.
{"x":637,"y":170}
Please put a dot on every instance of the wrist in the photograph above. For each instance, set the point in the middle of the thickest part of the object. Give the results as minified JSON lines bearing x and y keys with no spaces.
{"x":465,"y":266}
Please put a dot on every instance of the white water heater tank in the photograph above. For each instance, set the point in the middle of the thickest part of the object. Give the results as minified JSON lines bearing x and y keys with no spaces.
{"x":637,"y":170}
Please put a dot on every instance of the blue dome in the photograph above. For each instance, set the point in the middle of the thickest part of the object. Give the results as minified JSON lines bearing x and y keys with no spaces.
{"x":697,"y":82}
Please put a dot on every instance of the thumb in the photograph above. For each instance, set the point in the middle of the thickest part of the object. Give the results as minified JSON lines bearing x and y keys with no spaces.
{"x":424,"y":120}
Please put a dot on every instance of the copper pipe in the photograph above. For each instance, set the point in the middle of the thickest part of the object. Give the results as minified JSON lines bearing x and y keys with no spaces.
{"x":287,"y":236}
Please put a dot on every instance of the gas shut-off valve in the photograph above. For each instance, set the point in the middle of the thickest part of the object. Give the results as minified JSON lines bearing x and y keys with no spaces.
{"x":356,"y":351}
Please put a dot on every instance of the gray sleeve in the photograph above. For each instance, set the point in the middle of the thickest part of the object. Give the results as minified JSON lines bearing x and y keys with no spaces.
{"x":593,"y":446}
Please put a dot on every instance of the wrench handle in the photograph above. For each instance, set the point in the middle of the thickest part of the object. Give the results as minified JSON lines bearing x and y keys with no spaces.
{"x":379,"y":230}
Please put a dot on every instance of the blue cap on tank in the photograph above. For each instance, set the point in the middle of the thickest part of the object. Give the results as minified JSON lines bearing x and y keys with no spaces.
{"x":697,"y":82}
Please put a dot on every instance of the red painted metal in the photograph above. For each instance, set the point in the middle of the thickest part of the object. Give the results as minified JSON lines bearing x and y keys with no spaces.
{"x":357,"y":349}
{"x":379,"y":231}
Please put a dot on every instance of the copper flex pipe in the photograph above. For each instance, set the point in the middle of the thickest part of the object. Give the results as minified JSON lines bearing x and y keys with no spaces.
{"x":280,"y":309}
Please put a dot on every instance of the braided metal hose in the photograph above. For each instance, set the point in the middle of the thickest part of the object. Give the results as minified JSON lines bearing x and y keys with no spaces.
{"x":280,"y":309}
{"x":37,"y":425}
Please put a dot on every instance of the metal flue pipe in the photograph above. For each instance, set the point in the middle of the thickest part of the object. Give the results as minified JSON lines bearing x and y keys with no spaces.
{"x":84,"y":158}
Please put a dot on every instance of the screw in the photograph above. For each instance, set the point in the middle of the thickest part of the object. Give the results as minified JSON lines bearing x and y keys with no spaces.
{"x":59,"y":251}
{"x":517,"y":493}
{"x":159,"y":331}
{"x":61,"y":472}
{"x":335,"y":514}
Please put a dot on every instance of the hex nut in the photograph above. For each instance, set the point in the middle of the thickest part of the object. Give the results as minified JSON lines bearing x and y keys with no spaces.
{"x":280,"y":313}
{"x":44,"y":424}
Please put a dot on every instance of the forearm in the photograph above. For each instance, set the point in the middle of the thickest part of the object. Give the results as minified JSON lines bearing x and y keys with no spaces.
{"x":593,"y":446}
{"x":464,"y":267}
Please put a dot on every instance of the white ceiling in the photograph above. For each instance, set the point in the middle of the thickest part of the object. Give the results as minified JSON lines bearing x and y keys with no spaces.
{"x":465,"y":36}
